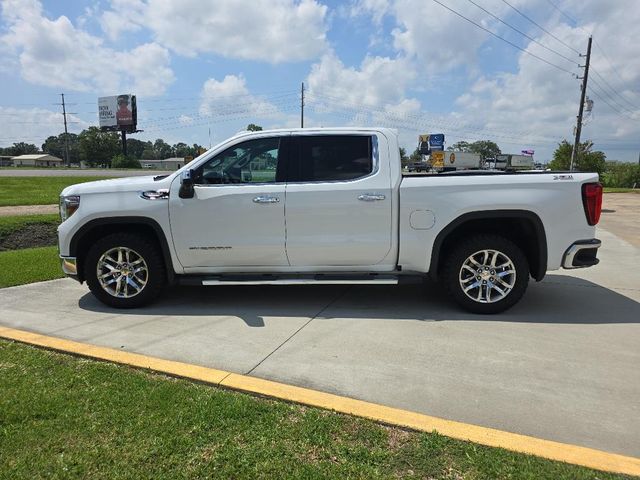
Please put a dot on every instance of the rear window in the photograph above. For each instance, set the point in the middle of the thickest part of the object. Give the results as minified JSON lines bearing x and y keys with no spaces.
{"x":332,"y":158}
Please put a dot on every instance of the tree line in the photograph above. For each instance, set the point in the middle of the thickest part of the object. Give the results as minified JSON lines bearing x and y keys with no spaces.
{"x":96,"y":147}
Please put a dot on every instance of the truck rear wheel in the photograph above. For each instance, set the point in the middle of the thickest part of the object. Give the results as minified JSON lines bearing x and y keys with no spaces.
{"x":125,"y":270}
{"x":486,"y":274}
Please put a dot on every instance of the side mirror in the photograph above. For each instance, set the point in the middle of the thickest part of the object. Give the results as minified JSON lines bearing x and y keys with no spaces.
{"x":186,"y":184}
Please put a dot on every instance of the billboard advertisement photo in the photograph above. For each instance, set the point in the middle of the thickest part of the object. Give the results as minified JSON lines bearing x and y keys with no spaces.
{"x":117,"y":112}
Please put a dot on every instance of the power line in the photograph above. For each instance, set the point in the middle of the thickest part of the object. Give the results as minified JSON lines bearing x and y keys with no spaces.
{"x":605,"y":92}
{"x":542,"y":28}
{"x":522,"y":33}
{"x":504,"y":39}
{"x":600,"y":97}
{"x":554,"y":5}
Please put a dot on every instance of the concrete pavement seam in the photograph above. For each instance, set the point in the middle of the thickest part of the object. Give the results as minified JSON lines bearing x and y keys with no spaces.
{"x":299,"y":329}
{"x":574,"y":454}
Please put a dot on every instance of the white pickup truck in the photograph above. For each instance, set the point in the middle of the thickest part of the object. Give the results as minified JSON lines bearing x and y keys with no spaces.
{"x":326,"y":206}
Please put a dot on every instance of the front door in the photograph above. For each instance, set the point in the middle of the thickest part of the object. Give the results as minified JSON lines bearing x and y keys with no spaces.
{"x":236,"y":217}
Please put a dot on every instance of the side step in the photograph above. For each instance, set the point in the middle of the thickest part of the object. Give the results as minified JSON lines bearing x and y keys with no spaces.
{"x":303,"y":281}
{"x":319,"y":279}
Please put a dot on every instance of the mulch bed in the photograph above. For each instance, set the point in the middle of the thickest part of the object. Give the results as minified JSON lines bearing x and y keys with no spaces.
{"x":29,"y":236}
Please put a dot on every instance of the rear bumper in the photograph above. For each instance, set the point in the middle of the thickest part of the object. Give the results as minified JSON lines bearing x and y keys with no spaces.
{"x":70,"y":267}
{"x":582,"y":254}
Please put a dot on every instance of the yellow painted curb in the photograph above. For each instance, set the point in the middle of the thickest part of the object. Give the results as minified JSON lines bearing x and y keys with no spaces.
{"x":563,"y":452}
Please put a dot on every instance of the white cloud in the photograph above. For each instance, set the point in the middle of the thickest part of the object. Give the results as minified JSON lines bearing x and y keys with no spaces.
{"x":34,"y":125}
{"x":378,"y":81}
{"x":55,"y":53}
{"x":267,"y":30}
{"x":230,"y":96}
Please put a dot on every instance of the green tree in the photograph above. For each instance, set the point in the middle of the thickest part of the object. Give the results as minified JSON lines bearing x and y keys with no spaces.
{"x":586,"y":159}
{"x":486,"y":149}
{"x":162,"y":149}
{"x":622,"y":175}
{"x":181,"y":149}
{"x":97,"y":147}
{"x":461,"y":146}
{"x":20,"y":148}
{"x":55,"y":145}
{"x":404,"y":158}
{"x":135,"y":147}
{"x":120,"y":161}
{"x":252,"y":127}
{"x":415,"y":156}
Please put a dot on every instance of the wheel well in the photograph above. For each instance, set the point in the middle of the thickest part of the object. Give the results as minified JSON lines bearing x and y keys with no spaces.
{"x":92,"y":231}
{"x":525,"y":229}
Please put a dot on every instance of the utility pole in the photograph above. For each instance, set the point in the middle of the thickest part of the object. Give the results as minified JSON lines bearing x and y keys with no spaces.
{"x":66,"y":133}
{"x":576,"y":143}
{"x":302,"y":106}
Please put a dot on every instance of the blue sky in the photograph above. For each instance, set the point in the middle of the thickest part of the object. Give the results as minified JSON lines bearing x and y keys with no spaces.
{"x":408,"y":64}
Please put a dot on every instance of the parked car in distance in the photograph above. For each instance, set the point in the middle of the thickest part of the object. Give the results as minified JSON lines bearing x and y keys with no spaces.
{"x":326,"y":206}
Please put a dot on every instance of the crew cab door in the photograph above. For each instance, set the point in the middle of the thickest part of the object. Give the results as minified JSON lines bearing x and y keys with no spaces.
{"x":236,"y":217}
{"x":339,"y":201}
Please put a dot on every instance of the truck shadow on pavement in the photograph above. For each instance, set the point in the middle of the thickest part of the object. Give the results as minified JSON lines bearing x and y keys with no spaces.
{"x":559,"y":299}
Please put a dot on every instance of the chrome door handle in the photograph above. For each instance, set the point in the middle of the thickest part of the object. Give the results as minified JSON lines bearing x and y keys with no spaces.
{"x":371,"y":197}
{"x":265,"y":199}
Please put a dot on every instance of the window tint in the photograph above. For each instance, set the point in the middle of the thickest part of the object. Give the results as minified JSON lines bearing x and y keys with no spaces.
{"x":332,"y":157}
{"x":253,"y":161}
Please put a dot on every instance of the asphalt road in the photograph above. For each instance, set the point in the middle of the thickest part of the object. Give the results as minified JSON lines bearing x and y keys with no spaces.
{"x":564,"y":364}
{"x":76,"y":172}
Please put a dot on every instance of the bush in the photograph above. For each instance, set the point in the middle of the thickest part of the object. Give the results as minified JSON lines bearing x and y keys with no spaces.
{"x":120,"y":161}
{"x":621,"y":175}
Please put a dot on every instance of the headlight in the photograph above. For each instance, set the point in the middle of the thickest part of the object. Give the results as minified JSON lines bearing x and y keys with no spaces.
{"x":68,"y":205}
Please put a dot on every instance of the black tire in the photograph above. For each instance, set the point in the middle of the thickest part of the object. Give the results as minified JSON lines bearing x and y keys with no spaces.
{"x":454,"y":274}
{"x":143,"y":247}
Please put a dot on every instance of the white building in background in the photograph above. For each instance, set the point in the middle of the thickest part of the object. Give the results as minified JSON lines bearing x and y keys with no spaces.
{"x":37,"y":160}
{"x":173,"y":163}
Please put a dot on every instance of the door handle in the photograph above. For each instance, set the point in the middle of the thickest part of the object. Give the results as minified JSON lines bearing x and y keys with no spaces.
{"x":265,"y":199}
{"x":371,"y":197}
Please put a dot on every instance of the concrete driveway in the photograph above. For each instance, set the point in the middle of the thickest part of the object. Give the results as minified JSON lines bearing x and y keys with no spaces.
{"x":563,"y":365}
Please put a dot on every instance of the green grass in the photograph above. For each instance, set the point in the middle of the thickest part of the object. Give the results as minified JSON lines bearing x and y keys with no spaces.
{"x":65,"y":417}
{"x":621,"y":190}
{"x":29,"y":265}
{"x":12,"y":223}
{"x":36,"y":190}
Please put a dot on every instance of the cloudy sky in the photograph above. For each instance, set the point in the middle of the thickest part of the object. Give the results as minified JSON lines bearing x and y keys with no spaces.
{"x":415,"y":65}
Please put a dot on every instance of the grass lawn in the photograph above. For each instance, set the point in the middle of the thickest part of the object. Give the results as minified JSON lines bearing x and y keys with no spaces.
{"x":27,"y":266}
{"x":621,"y":190}
{"x":12,"y":223}
{"x":36,"y":190}
{"x":65,"y":417}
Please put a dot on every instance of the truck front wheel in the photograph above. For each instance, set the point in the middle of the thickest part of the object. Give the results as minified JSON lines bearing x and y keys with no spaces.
{"x":486,"y":274}
{"x":124,"y":270}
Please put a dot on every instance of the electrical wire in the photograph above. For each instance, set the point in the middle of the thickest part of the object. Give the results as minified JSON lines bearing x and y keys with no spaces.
{"x":542,"y":28}
{"x":521,"y":32}
{"x":504,"y":39}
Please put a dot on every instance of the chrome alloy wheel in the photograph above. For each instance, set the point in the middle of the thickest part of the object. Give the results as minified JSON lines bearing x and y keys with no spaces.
{"x":122,"y":272}
{"x":487,"y":276}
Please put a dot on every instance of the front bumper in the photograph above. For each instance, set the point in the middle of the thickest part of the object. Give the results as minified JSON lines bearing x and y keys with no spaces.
{"x":69,"y":266}
{"x":582,"y":254}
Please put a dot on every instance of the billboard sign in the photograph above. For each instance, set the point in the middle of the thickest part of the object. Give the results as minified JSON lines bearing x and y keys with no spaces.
{"x":436,"y":140}
{"x":118,"y":112}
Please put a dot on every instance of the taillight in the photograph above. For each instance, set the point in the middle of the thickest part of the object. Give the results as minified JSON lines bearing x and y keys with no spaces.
{"x":592,"y":202}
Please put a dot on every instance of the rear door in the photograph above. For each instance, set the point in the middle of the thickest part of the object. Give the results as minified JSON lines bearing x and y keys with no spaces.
{"x":339,"y":201}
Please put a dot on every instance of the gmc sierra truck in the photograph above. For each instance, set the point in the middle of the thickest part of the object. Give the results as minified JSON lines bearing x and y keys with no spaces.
{"x":326,"y":206}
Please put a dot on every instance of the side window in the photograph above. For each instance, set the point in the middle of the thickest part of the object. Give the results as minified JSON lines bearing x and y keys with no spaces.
{"x":333,"y":157}
{"x":253,"y":161}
